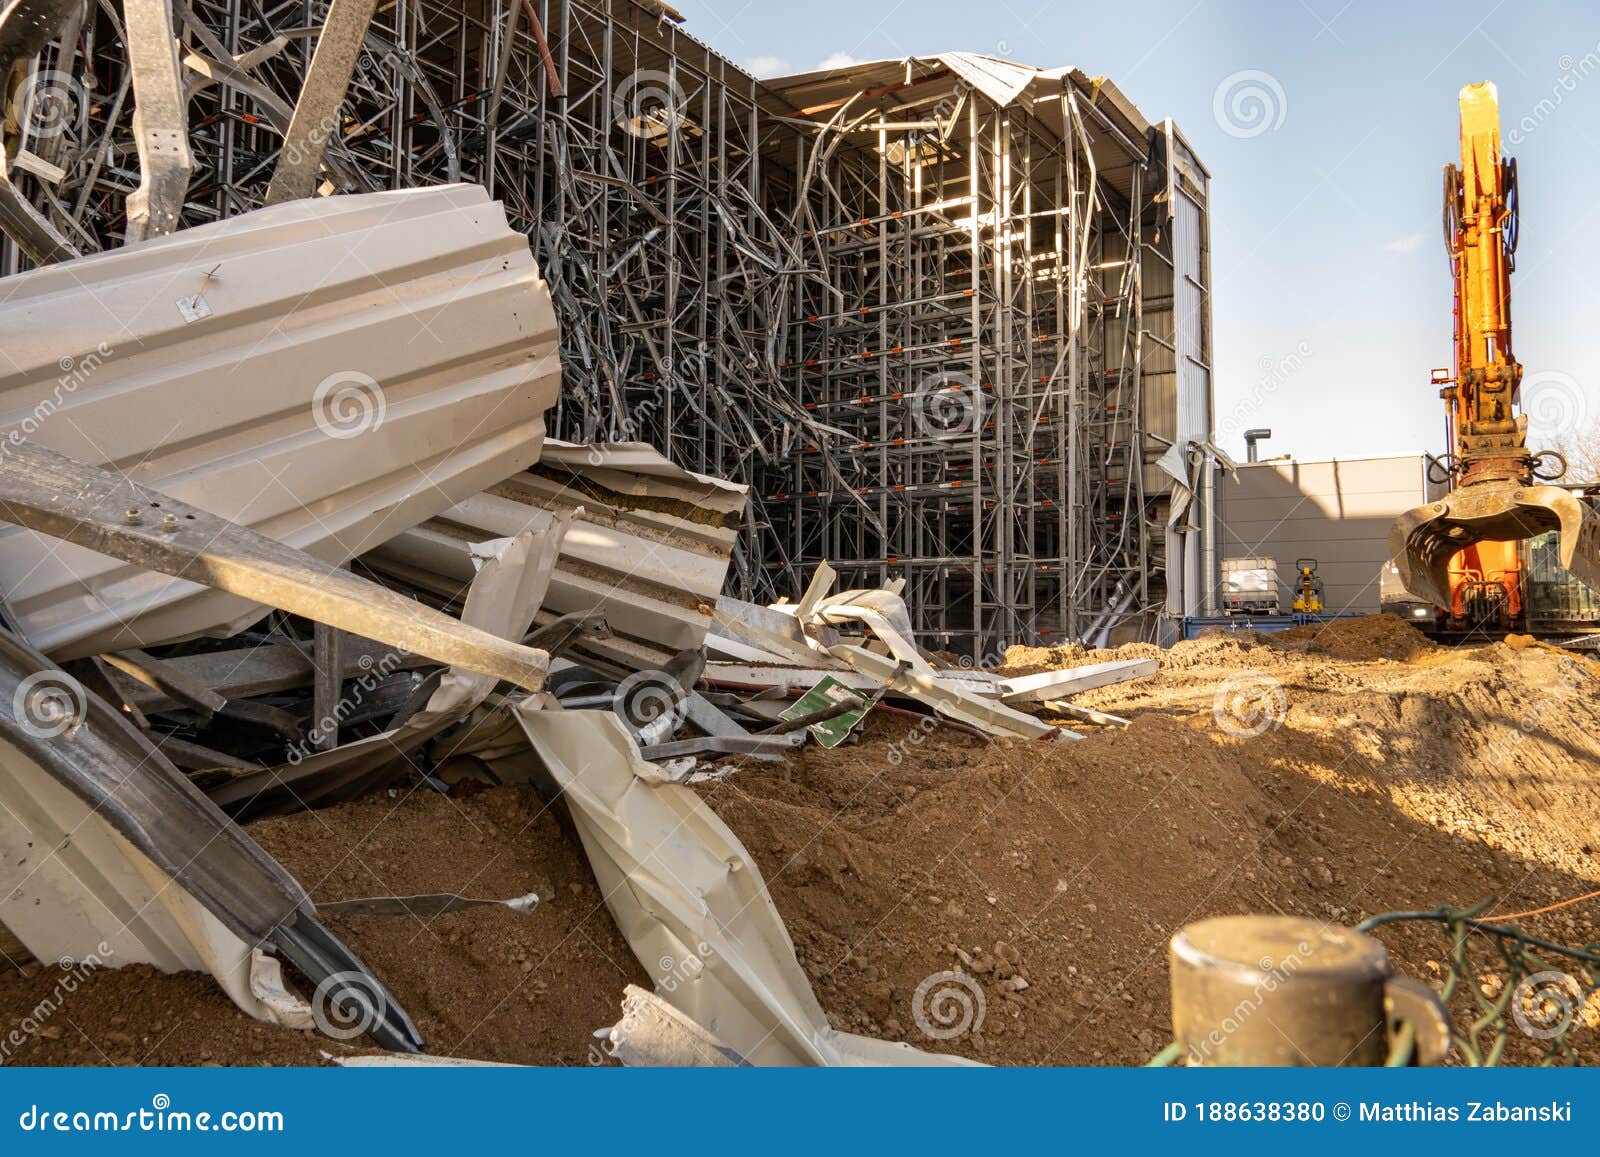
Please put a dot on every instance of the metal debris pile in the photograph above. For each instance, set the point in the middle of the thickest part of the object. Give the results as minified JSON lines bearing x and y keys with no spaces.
{"x":242,"y":580}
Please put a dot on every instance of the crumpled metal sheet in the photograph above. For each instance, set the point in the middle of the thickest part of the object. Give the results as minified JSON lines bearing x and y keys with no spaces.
{"x":109,"y":856}
{"x":512,"y":578}
{"x":105,"y":512}
{"x":690,"y":899}
{"x":653,"y":1034}
{"x":905,"y":670}
{"x":328,"y":372}
{"x":649,"y":546}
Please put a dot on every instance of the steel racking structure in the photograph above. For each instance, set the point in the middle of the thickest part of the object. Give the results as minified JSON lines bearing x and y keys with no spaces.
{"x":996,"y":292}
{"x":925,"y":307}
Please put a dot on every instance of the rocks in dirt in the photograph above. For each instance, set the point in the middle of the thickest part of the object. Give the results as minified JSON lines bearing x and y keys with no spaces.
{"x":1096,"y":851}
{"x":1367,"y":638}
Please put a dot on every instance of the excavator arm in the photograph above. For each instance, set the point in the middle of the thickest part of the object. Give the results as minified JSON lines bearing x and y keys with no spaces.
{"x":1497,"y":493}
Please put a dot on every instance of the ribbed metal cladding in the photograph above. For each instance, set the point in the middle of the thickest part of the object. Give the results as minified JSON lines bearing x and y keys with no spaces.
{"x":354,"y":365}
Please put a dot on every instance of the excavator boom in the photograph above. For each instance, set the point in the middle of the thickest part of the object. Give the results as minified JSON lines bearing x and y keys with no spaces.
{"x":1497,"y":495}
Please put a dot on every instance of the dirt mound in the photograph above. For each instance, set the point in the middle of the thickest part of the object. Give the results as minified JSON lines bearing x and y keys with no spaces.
{"x":1050,"y":875}
{"x":138,"y":1016}
{"x":1365,"y":638}
{"x":484,"y":982}
{"x":1068,"y":866}
{"x":1020,"y":660}
{"x":1220,"y":647}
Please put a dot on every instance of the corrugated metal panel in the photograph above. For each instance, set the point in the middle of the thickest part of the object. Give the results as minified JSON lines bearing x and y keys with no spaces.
{"x":1337,"y":512}
{"x":1000,"y":80}
{"x":649,"y":546}
{"x":1189,"y":301}
{"x":363,"y":362}
{"x":1159,"y":366}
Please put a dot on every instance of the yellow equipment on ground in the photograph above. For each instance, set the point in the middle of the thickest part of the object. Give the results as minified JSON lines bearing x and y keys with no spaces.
{"x":1308,"y":591}
{"x":1495,"y":496}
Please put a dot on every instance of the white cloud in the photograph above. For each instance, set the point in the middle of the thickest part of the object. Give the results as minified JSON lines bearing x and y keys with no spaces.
{"x":839,"y":60}
{"x":765,"y":66}
{"x":1406,"y":244}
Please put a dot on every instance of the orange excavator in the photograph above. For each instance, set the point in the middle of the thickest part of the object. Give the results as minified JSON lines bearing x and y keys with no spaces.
{"x":1461,"y":553}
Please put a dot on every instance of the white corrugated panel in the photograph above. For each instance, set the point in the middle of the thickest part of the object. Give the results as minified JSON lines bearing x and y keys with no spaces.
{"x":354,"y":366}
{"x":649,"y":545}
{"x":1194,"y":371}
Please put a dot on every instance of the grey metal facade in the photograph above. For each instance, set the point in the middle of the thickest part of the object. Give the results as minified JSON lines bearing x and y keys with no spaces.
{"x":1336,"y":511}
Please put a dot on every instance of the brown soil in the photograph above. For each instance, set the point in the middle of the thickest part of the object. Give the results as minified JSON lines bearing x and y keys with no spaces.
{"x":484,"y":982}
{"x":138,"y":1016}
{"x":1030,"y":660}
{"x":1366,"y":638}
{"x":1396,"y":775}
{"x":1387,"y":785}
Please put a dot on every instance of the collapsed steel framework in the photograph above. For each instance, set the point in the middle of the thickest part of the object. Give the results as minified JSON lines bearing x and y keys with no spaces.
{"x":928,"y":308}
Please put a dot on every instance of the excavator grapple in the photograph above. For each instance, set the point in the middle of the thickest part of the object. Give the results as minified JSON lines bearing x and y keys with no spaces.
{"x":1424,"y":540}
{"x":1498,"y":484}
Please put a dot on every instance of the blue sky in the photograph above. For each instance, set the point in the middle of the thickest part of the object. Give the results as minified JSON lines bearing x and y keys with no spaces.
{"x":1327,"y":245}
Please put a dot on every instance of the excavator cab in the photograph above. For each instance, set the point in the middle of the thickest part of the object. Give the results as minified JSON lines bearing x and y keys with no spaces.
{"x":1498,"y":491}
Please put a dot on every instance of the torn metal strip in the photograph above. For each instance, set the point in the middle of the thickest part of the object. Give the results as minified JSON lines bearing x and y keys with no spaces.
{"x":107,"y":513}
{"x":653,"y":1034}
{"x":1087,"y":714}
{"x":427,"y":904}
{"x":987,"y":715}
{"x":765,"y":677}
{"x":690,"y":899}
{"x":724,"y":745}
{"x":316,"y":113}
{"x":1072,"y":680}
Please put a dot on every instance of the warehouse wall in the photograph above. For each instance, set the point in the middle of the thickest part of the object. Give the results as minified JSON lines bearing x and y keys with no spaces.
{"x":1337,"y":512}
